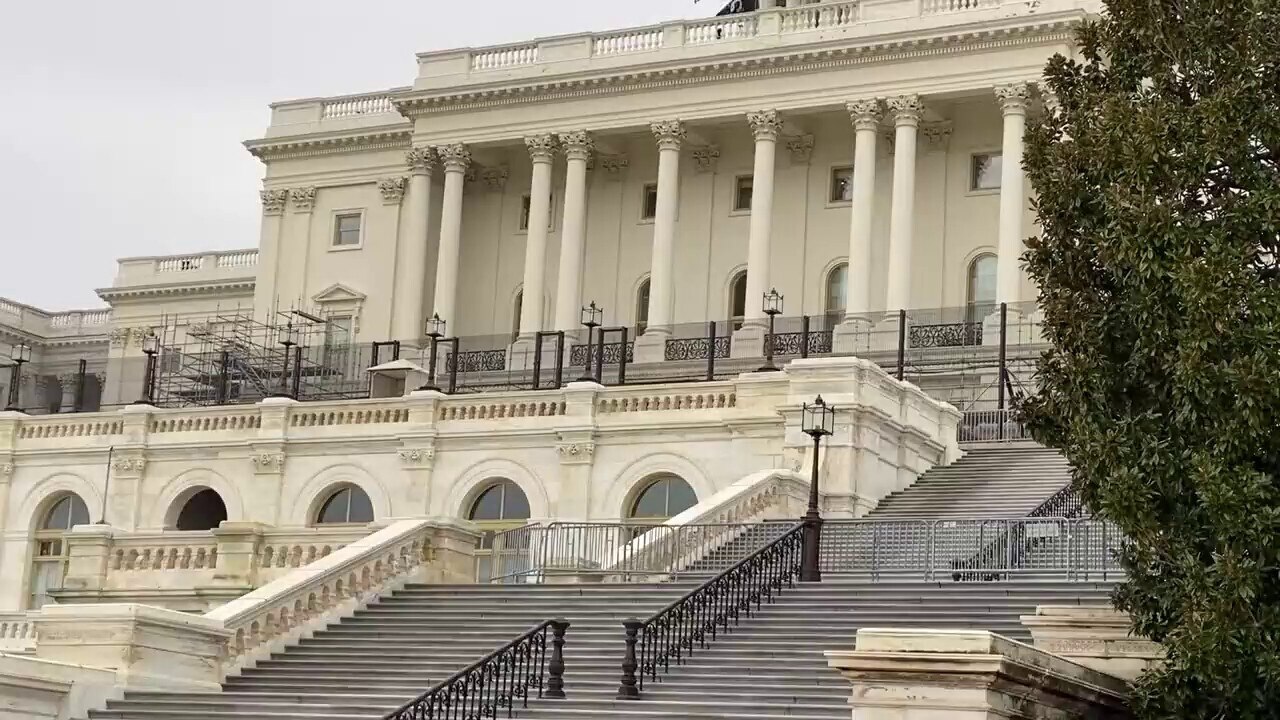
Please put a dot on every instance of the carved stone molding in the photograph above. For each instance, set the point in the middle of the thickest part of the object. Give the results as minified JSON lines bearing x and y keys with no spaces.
{"x":706,"y":158}
{"x":6,"y":470}
{"x":420,"y":160}
{"x":613,"y":165}
{"x":669,"y":134}
{"x":578,"y":145}
{"x":273,"y":201}
{"x":765,"y":124}
{"x":417,"y":457}
{"x":68,"y":380}
{"x":119,"y":337}
{"x":455,"y":158}
{"x":905,"y":109}
{"x":495,"y":177}
{"x":304,"y":199}
{"x":576,"y":452}
{"x":1013,"y":98}
{"x":267,"y":463}
{"x":801,"y":149}
{"x":935,"y":137}
{"x":128,"y":466}
{"x":864,"y":114}
{"x":542,"y":148}
{"x":392,"y":190}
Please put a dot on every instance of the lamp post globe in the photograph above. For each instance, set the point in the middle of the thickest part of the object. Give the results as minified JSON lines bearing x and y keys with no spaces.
{"x":772,"y":307}
{"x":592,"y":317}
{"x":435,"y":330}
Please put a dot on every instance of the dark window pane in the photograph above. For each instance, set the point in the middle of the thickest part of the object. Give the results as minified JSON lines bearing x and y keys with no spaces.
{"x":336,"y":507}
{"x":59,"y":517}
{"x":489,"y":505}
{"x":841,"y":184}
{"x":361,"y":509}
{"x":515,"y":505}
{"x":739,"y":305}
{"x":680,"y":497}
{"x":650,"y":208}
{"x":524,"y":212}
{"x":652,"y":503}
{"x":742,"y":194}
{"x":204,"y":511}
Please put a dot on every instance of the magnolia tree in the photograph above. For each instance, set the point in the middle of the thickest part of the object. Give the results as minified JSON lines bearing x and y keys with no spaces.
{"x":1157,"y":171}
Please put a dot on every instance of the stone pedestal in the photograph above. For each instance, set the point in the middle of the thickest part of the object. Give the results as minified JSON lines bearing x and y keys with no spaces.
{"x":88,"y":552}
{"x":748,"y":340}
{"x":1096,"y":637}
{"x":453,"y":553}
{"x":885,"y":334}
{"x":852,"y":337}
{"x":147,"y":647}
{"x":238,"y":544}
{"x":900,"y":674}
{"x":651,"y":347}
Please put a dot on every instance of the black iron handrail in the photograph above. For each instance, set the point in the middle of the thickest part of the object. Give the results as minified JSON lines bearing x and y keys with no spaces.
{"x":671,"y":634}
{"x":497,"y":681}
{"x":1066,"y":503}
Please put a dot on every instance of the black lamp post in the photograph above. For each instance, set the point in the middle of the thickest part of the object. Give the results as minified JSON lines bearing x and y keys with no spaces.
{"x":816,"y":420}
{"x":592,"y":318}
{"x":290,"y":338}
{"x":772,"y":308}
{"x":20,"y":356}
{"x":151,"y":347}
{"x":435,"y":331}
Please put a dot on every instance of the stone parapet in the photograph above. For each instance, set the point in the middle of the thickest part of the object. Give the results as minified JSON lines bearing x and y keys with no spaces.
{"x":1097,"y":637}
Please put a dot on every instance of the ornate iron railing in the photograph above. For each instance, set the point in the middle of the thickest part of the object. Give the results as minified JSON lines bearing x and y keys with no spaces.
{"x":671,"y":635}
{"x":579,"y":354}
{"x":477,"y":361}
{"x":792,"y":343}
{"x":945,"y":335}
{"x":696,"y":348}
{"x":495,"y":684}
{"x":1066,"y":503}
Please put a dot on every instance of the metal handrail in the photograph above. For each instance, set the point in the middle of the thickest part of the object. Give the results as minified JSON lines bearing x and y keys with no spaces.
{"x":670,"y":634}
{"x":497,"y":680}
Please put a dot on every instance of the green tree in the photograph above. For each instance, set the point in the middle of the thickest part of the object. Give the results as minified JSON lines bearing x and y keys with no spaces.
{"x":1159,"y":199}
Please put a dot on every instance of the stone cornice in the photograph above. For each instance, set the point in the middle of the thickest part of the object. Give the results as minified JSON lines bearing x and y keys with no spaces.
{"x":176,"y":290}
{"x":954,"y":40}
{"x":397,"y":137}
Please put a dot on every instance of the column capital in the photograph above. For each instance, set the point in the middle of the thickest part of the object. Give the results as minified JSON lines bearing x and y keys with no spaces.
{"x":765,"y":124}
{"x":669,"y":134}
{"x":864,"y":114}
{"x":542,"y":148}
{"x":706,"y":158}
{"x":392,"y":189}
{"x":273,"y":201}
{"x":906,"y":110}
{"x":304,"y":198}
{"x":577,"y":145}
{"x":420,"y":160}
{"x":1013,"y":98}
{"x":455,"y":158}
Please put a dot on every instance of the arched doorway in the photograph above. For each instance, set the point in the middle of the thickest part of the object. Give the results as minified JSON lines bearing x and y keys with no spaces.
{"x":49,"y":556}
{"x":501,"y":506}
{"x":345,"y":505}
{"x":203,"y":510}
{"x":661,"y":498}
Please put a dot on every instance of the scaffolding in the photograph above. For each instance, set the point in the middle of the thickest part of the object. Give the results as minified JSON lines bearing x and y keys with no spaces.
{"x":233,"y":358}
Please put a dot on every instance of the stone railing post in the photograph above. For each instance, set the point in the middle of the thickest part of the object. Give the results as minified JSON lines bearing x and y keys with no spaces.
{"x":1096,"y":637}
{"x":418,"y":446}
{"x":627,"y":689}
{"x":576,"y":448}
{"x":88,"y":557}
{"x":238,"y":546}
{"x":452,"y":553}
{"x":267,"y":457}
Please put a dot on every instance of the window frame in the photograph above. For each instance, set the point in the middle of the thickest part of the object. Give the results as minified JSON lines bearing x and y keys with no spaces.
{"x":642,"y":297}
{"x":526,"y":209}
{"x":644,"y":203}
{"x":332,"y":495}
{"x":336,"y":231}
{"x":827,"y":312}
{"x":832,"y":201}
{"x":737,"y":321}
{"x":737,"y":208}
{"x":972,"y":170}
{"x":974,"y":310}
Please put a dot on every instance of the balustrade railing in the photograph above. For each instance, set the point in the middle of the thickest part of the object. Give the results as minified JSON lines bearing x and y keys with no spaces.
{"x":356,"y":106}
{"x":504,"y":57}
{"x":991,"y":426}
{"x":732,"y":27}
{"x":933,"y":7}
{"x":246,"y":258}
{"x":671,"y":635}
{"x":627,"y":42}
{"x":498,"y":683}
{"x":818,"y":17}
{"x":17,"y":633}
{"x":179,"y":264}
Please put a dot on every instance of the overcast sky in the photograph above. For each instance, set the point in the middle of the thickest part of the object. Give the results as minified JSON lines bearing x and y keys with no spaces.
{"x":121,"y":121}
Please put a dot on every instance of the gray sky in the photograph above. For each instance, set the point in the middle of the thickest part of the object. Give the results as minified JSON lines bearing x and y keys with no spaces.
{"x":121,"y":121}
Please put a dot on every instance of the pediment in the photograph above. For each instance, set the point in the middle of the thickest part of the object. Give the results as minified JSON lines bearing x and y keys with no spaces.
{"x":338,"y":293}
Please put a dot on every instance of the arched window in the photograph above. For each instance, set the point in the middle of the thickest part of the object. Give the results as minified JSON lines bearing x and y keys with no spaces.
{"x":501,"y":506}
{"x":837,"y":291}
{"x":202,"y":511}
{"x":50,"y":548}
{"x":664,"y":497}
{"x":980,"y":298}
{"x":515,"y":319}
{"x":642,"y":307}
{"x":347,"y":504}
{"x":738,"y":299}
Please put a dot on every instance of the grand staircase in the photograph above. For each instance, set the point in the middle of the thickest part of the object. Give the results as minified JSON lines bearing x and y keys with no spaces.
{"x":1005,"y":481}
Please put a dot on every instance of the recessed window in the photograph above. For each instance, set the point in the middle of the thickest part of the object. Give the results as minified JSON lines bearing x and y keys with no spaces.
{"x":642,"y":308}
{"x":346,"y":229}
{"x":663,"y":498}
{"x":742,"y":187}
{"x":837,"y":291}
{"x":984,"y":174}
{"x":841,"y":185}
{"x":649,"y":202}
{"x":526,"y":203}
{"x":349,"y":504}
{"x":738,"y":300}
{"x":980,"y":298}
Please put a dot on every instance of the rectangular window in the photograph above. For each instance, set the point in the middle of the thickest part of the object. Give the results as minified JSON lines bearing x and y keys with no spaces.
{"x":841,"y":185}
{"x":649,"y":202}
{"x":525,"y":203}
{"x":742,"y":187}
{"x":346,"y":230}
{"x":984,"y":173}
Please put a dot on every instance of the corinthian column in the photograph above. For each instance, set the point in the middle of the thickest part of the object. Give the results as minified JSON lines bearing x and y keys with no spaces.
{"x":1013,"y":104}
{"x":577,"y":151}
{"x":906,"y":111}
{"x":670,"y":135}
{"x":455,"y":159}
{"x":865,"y":115}
{"x":765,"y":126}
{"x":542,"y":152}
{"x":411,"y":268}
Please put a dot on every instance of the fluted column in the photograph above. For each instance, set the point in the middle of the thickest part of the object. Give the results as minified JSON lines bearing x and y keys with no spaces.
{"x":865,"y":115}
{"x":542,"y":150}
{"x":455,"y":159}
{"x":1013,"y":104}
{"x":670,"y":135}
{"x":905,"y":111}
{"x":765,"y":126}
{"x":577,"y":151}
{"x":411,"y":267}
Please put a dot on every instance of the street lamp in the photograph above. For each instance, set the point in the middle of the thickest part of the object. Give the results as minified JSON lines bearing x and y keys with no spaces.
{"x":816,"y":420}
{"x":289,"y":338}
{"x":151,"y":347}
{"x":772,"y":308}
{"x":592,"y":318}
{"x":20,"y":355}
{"x":435,"y":331}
